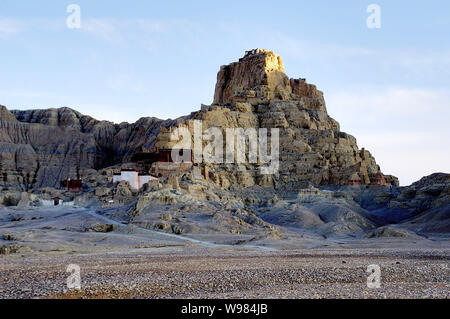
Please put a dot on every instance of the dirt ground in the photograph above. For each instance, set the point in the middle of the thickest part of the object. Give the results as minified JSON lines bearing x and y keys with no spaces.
{"x":195,"y":272}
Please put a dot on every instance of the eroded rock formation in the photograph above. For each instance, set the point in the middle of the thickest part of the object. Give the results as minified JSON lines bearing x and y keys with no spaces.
{"x":256,"y":93}
{"x":41,"y":147}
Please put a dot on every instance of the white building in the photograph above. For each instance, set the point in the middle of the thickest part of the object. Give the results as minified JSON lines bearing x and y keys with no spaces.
{"x":133,"y":177}
{"x":55,"y":201}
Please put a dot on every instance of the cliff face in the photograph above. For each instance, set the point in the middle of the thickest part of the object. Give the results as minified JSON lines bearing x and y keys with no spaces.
{"x":38,"y":155}
{"x":41,"y":147}
{"x":258,"y":76}
{"x":254,"y":93}
{"x":114,"y":142}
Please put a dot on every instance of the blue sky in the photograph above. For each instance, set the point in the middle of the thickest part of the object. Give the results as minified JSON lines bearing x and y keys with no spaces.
{"x":389,"y":87}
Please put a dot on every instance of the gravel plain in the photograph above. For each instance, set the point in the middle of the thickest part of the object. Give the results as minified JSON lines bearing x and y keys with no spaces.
{"x":195,"y":272}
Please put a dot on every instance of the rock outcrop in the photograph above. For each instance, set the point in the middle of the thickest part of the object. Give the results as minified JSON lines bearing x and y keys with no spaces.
{"x":256,"y":93}
{"x":256,"y":78}
{"x":40,"y":148}
{"x":423,"y":206}
{"x":36,"y":155}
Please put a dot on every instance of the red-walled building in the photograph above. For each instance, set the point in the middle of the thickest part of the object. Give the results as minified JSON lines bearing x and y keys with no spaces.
{"x":183,"y":155}
{"x":72,"y":184}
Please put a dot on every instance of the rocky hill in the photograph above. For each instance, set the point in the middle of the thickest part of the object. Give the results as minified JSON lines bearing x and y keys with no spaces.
{"x":39,"y":148}
{"x":326,"y":193}
{"x":255,"y":92}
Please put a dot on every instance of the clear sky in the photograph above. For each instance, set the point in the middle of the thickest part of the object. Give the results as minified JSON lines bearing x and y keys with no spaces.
{"x":389,"y":87}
